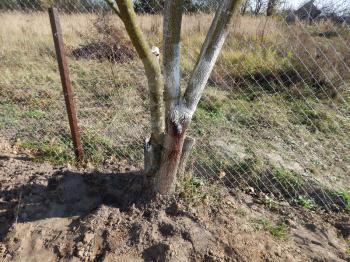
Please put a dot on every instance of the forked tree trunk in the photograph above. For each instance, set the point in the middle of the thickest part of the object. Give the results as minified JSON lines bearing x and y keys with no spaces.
{"x":168,"y":148}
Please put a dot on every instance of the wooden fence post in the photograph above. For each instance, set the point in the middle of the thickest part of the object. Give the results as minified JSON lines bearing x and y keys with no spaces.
{"x":66,"y":83}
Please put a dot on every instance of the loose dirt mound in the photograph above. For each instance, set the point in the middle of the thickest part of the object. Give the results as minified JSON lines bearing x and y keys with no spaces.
{"x":119,"y":53}
{"x":52,"y":214}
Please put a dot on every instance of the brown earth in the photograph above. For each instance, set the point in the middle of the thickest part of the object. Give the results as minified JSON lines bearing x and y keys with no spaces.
{"x":52,"y":213}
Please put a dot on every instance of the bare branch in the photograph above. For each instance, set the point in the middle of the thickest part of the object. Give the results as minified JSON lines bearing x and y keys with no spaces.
{"x":127,"y":14}
{"x":259,"y":4}
{"x":171,"y":38}
{"x":210,"y":52}
{"x":114,"y":6}
{"x":245,"y":6}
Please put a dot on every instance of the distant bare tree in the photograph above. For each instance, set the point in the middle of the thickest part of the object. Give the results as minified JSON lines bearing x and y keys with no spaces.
{"x":271,"y":7}
{"x":259,"y":4}
{"x":245,"y":6}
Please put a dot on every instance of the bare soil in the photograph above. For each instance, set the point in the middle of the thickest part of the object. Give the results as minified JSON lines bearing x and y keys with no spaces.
{"x":50,"y":213}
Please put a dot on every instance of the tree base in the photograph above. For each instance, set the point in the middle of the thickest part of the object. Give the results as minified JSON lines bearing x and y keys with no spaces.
{"x":163,"y":165}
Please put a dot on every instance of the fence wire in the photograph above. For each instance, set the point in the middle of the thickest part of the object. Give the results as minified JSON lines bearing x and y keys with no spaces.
{"x":273,"y":120}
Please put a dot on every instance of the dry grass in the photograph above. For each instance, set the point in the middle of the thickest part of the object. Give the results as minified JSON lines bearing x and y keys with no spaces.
{"x":261,"y":112}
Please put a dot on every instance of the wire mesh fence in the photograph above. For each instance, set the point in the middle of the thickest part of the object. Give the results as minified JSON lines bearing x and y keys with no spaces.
{"x":273,"y":120}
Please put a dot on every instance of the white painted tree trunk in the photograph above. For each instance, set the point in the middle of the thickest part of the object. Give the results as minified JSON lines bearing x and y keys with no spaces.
{"x":165,"y":153}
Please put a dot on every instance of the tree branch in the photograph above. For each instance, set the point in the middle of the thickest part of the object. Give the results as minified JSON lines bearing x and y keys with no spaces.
{"x":210,"y":52}
{"x":126,"y":12}
{"x":113,"y":6}
{"x":171,"y":45}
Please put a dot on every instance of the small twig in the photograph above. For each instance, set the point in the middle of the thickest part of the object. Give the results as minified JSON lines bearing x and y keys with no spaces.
{"x":114,"y":6}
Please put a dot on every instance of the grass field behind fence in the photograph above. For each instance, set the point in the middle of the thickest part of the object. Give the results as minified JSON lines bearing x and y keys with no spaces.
{"x":275,"y":112}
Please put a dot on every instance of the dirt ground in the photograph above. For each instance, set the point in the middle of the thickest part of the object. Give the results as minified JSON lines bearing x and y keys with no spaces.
{"x":52,"y":213}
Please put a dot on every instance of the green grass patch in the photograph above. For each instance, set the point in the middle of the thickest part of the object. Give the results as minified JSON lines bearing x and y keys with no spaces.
{"x":306,"y":202}
{"x":195,"y":190}
{"x":35,"y":113}
{"x":58,"y":150}
{"x":98,"y":148}
{"x":10,"y":115}
{"x":270,"y":203}
{"x":318,"y":117}
{"x":279,"y":230}
{"x":286,"y":176}
{"x":345,"y":196}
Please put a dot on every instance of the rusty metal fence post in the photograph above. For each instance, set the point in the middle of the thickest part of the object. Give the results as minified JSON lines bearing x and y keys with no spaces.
{"x":66,"y":83}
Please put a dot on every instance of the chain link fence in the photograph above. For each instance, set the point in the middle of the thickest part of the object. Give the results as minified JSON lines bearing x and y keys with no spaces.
{"x":274,"y":120}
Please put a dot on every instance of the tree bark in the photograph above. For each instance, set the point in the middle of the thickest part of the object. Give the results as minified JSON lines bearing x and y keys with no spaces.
{"x":165,"y":180}
{"x":209,"y":53}
{"x":186,"y":152}
{"x":172,"y":47}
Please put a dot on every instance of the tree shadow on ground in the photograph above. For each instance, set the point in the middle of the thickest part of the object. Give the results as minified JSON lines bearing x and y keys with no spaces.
{"x":69,"y":194}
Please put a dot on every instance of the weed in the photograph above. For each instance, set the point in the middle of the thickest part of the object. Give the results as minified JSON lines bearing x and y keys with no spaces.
{"x":199,"y":131}
{"x":306,"y":202}
{"x":195,"y":190}
{"x":270,"y":202}
{"x":191,"y":189}
{"x":345,"y":196}
{"x":244,"y":167}
{"x":264,"y":222}
{"x":10,"y":115}
{"x":287,"y":176}
{"x":279,"y":230}
{"x":348,"y":249}
{"x":240,"y":212}
{"x":36,"y":113}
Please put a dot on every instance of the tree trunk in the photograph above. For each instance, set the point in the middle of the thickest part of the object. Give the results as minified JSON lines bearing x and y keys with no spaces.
{"x":186,"y":152}
{"x":175,"y":113}
{"x":165,"y":179}
{"x":152,"y":157}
